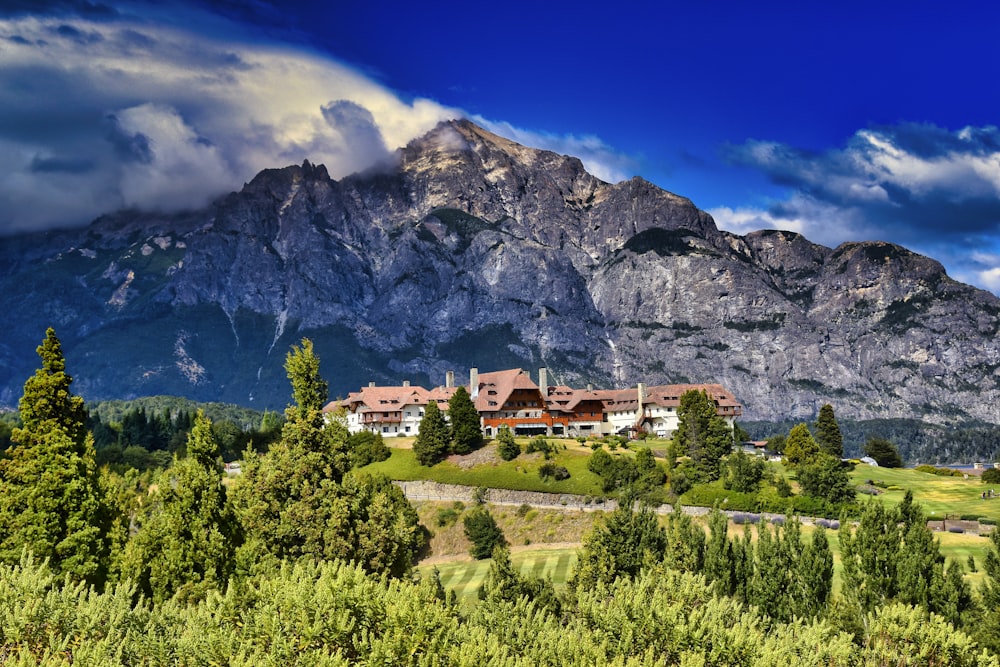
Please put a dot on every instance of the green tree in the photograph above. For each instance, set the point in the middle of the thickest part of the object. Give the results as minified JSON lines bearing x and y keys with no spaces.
{"x":50,"y":498}
{"x":988,"y":621}
{"x":719,"y":565}
{"x":367,"y":447}
{"x":815,"y":575}
{"x":825,"y":477}
{"x":828,"y":435}
{"x":701,"y":434}
{"x":505,"y":584}
{"x":466,"y":431}
{"x":799,"y":446}
{"x":187,"y":532}
{"x":742,"y":472}
{"x":620,"y":546}
{"x":884,"y":452}
{"x":290,"y":500}
{"x":685,"y":545}
{"x":482,"y":530}
{"x":507,"y":448}
{"x":431,"y":444}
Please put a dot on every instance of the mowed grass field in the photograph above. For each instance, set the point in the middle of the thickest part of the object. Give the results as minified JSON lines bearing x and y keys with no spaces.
{"x":465,"y":577}
{"x":939,"y":496}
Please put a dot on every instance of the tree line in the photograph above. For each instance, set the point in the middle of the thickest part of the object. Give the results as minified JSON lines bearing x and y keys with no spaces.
{"x":182,"y":531}
{"x":304,"y":559}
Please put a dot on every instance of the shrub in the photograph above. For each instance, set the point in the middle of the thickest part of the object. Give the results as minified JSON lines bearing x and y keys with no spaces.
{"x":539,"y":444}
{"x":547,"y":470}
{"x":956,"y":529}
{"x":366,"y":447}
{"x":741,"y":518}
{"x":986,"y":521}
{"x":708,"y":495}
{"x":523,"y":509}
{"x":783,"y":488}
{"x":830,"y":524}
{"x":778,"y":520}
{"x":446,"y":517}
{"x":991,"y":476}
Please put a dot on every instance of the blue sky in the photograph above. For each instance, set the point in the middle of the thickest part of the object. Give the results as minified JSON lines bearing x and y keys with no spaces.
{"x":843,"y":121}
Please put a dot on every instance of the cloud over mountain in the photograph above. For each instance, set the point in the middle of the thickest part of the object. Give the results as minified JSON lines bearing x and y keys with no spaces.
{"x":100,"y":114}
{"x":934,"y":190}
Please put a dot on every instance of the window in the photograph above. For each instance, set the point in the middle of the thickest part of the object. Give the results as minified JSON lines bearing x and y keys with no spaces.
{"x":407,"y":429}
{"x":385,"y":429}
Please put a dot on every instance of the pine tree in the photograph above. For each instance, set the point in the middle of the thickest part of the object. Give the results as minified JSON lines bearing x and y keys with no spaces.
{"x":988,"y":623}
{"x":799,"y":446}
{"x":188,"y":534}
{"x":431,"y":443}
{"x":290,"y":500}
{"x":815,"y":574}
{"x":466,"y":432}
{"x":701,"y":434}
{"x":507,"y":448}
{"x":50,"y":499}
{"x":828,"y":435}
{"x":719,"y":564}
{"x":483,"y":532}
{"x":620,"y":546}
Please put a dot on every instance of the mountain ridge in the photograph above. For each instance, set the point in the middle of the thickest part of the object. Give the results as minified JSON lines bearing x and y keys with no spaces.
{"x":471,"y":250}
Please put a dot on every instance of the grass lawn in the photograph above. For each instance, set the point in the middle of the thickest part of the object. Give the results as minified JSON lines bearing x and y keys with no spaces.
{"x":521,"y":474}
{"x":938,"y":495}
{"x":465,"y":576}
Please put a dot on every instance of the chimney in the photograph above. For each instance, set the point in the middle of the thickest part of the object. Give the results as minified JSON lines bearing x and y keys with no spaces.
{"x":474,"y":382}
{"x":543,"y":381}
{"x":449,"y":379}
{"x":641,"y":397}
{"x":372,"y":383}
{"x":406,"y":383}
{"x":590,"y":387}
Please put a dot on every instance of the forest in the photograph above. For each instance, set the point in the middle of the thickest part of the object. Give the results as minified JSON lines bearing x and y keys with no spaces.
{"x":305,"y":558}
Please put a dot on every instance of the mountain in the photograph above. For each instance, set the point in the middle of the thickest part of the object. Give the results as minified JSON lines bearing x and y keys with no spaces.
{"x":471,"y":250}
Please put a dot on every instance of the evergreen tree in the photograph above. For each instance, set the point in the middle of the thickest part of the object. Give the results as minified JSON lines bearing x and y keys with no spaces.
{"x":507,"y":448}
{"x":466,"y":431}
{"x":701,"y":434}
{"x":188,"y":534}
{"x":828,"y":435}
{"x":482,"y":530}
{"x":799,"y":446}
{"x":50,"y":499}
{"x":290,"y":500}
{"x":815,"y":574}
{"x":620,"y":546}
{"x":884,"y":452}
{"x":988,"y":622}
{"x":431,"y":444}
{"x":719,"y":565}
{"x":685,"y":544}
{"x":825,"y":477}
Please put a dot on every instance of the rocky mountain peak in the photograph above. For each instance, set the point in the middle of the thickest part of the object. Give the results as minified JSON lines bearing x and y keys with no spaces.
{"x":473,"y":250}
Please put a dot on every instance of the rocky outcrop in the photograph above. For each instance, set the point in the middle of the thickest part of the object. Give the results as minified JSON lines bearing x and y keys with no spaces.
{"x":471,"y":250}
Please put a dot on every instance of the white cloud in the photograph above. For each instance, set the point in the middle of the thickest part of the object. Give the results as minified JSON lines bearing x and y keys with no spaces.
{"x":989,"y":279}
{"x":211,"y":113}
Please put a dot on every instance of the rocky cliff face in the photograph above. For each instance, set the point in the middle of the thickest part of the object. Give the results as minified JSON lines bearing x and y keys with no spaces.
{"x":475,"y":251}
